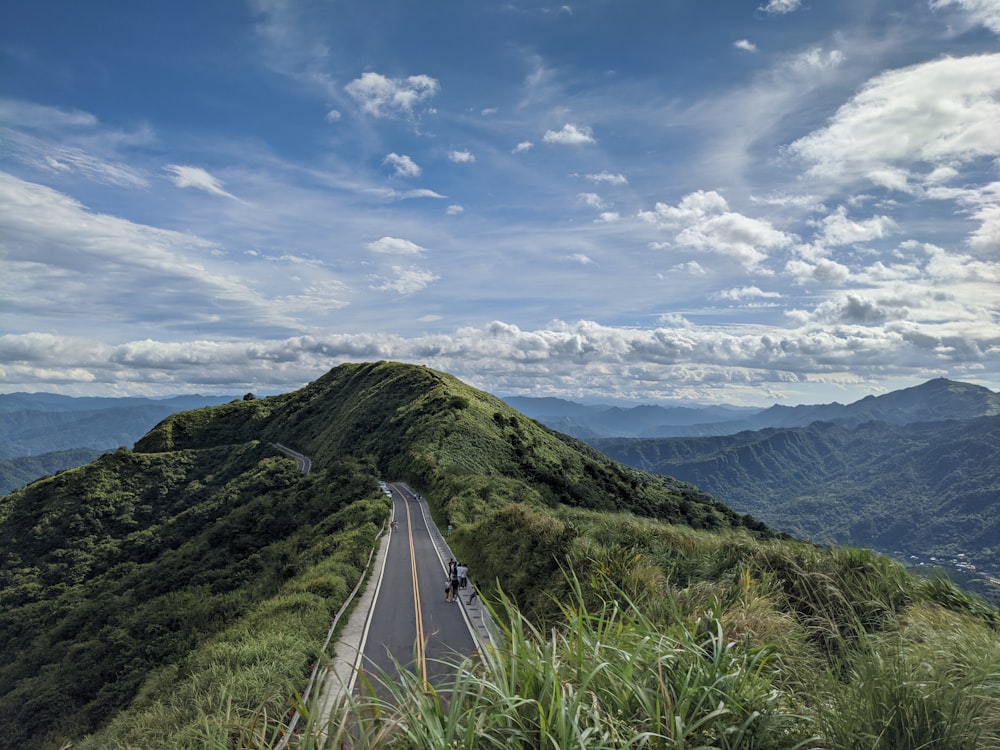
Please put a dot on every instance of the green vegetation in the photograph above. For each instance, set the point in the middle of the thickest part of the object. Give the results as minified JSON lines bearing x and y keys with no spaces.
{"x":928,"y":489}
{"x":17,"y":472}
{"x":715,"y":664}
{"x":114,"y":574}
{"x":175,"y":596}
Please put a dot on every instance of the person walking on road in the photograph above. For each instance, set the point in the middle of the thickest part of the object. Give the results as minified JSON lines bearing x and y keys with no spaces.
{"x":463,"y":575}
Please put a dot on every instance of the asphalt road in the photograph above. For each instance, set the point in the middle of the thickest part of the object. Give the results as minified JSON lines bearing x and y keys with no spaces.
{"x":411,"y":622}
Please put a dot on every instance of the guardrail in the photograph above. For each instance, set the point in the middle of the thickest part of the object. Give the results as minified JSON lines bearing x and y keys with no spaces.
{"x":290,"y":729}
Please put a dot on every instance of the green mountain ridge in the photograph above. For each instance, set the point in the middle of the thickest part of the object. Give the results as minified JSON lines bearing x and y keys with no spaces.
{"x":175,"y":595}
{"x":923,"y":489}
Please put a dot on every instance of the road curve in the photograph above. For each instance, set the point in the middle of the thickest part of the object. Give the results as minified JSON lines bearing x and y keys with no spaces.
{"x":304,"y":463}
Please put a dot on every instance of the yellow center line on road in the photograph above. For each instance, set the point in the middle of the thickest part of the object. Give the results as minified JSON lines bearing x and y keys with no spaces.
{"x":420,"y":653}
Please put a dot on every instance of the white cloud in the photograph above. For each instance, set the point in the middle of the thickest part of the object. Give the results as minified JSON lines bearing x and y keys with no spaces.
{"x":454,"y":210}
{"x":93,"y":270}
{"x":838,"y":229}
{"x":853,"y":308}
{"x":745,"y":44}
{"x":739,"y":294}
{"x":461,"y":157}
{"x":582,"y":357}
{"x":780,"y":7}
{"x":405,"y":281}
{"x":488,"y":111}
{"x":380,"y":96}
{"x":583,"y":260}
{"x":395,"y":245}
{"x":590,"y":199}
{"x":570,"y":134}
{"x":63,"y":158}
{"x":333,"y":116}
{"x":403,"y":165}
{"x":692,"y":267}
{"x":420,"y":193}
{"x":608,"y":217}
{"x":985,"y":12}
{"x":702,"y":220}
{"x":197,"y":178}
{"x":608,"y":178}
{"x":940,"y":113}
{"x":522,"y":147}
{"x":819,"y":269}
{"x":816,"y":60}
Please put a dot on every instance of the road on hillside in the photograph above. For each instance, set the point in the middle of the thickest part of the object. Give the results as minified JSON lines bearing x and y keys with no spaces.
{"x":411,"y":623}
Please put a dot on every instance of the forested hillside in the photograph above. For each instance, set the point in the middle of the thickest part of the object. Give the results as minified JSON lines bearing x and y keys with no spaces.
{"x":17,"y":472}
{"x":173,"y":596}
{"x":928,"y":489}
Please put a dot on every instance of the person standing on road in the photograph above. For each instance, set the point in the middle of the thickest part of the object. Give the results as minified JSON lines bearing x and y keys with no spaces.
{"x":450,"y":592}
{"x":463,"y":575}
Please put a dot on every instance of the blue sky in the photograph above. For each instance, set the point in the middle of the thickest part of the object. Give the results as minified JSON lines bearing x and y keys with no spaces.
{"x":747,"y":202}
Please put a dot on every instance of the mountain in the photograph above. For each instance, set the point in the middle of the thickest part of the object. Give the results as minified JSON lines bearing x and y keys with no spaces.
{"x":593,"y":421}
{"x":37,"y":423}
{"x":113,"y":571}
{"x":176,"y":595}
{"x":927,"y":489}
{"x":17,"y":472}
{"x":935,"y":399}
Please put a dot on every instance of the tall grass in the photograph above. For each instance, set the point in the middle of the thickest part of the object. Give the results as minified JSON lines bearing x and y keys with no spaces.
{"x":904,"y":695}
{"x":609,"y":677}
{"x":689,"y":673}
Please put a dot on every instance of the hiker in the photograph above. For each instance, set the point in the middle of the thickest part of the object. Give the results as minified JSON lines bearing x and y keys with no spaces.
{"x":463,"y":575}
{"x":472,"y":594}
{"x":453,"y":595}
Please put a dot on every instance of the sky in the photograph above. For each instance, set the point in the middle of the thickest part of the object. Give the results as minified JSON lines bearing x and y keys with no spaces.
{"x":638,"y":201}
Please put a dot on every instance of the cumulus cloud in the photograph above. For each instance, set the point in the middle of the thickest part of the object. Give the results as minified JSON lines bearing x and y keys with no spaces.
{"x":405,"y":280}
{"x":570,"y":134}
{"x":608,"y":217}
{"x":461,"y":157}
{"x":402,"y":165}
{"x":333,"y":116}
{"x":819,"y":269}
{"x":940,"y":113}
{"x":395,"y":246}
{"x":454,"y":210}
{"x":583,"y":260}
{"x":380,"y":96}
{"x":523,"y":146}
{"x":746,"y":45}
{"x":852,"y":308}
{"x":702,"y":220}
{"x":197,"y":178}
{"x":838,"y":229}
{"x":851,"y":337}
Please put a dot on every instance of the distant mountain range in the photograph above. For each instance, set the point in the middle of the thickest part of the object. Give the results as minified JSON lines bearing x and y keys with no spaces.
{"x":41,"y":433}
{"x":914,"y":472}
{"x":931,"y":401}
